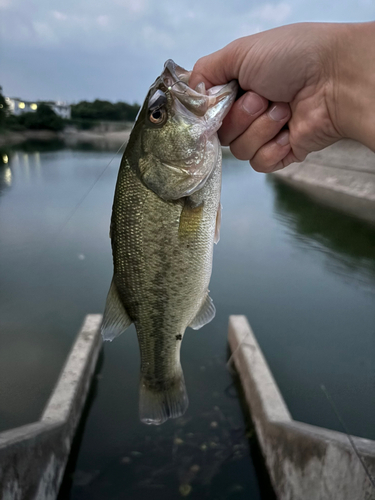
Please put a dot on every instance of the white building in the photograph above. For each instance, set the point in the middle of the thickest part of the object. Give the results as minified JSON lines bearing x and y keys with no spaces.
{"x":18,"y":106}
{"x":61,"y":108}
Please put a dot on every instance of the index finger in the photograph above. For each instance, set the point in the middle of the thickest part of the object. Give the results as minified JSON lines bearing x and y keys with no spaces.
{"x":219,"y":67}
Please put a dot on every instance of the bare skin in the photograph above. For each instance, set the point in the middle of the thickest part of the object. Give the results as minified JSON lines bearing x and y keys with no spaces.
{"x":306,"y":86}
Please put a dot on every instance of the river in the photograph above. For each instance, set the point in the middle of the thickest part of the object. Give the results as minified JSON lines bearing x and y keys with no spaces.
{"x":303,"y":274}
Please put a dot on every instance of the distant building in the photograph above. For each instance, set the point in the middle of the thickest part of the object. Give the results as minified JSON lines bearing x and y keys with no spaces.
{"x":61,"y":108}
{"x":18,"y":106}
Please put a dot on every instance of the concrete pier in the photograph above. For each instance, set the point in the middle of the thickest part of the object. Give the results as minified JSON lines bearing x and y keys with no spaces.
{"x":33,"y":457}
{"x":305,"y":462}
{"x":341,"y":176}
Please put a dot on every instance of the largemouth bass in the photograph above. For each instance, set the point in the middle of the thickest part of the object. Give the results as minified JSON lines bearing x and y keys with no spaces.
{"x":165,"y":219}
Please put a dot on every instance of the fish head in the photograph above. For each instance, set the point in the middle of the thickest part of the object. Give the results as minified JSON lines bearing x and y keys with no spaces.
{"x":175,"y":135}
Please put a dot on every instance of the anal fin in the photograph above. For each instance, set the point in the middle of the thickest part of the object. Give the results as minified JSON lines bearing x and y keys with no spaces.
{"x":115,"y":319}
{"x":205,"y":314}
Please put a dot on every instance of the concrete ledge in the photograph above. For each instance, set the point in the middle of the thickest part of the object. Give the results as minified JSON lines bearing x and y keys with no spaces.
{"x":33,"y":457}
{"x":341,"y":176}
{"x":304,"y":461}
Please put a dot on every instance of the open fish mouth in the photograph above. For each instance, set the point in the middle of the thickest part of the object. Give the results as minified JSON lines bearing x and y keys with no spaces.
{"x":211,"y":104}
{"x":192,"y":119}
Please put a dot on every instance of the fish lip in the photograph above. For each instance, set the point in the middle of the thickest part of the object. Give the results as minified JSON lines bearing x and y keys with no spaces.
{"x":176,"y":80}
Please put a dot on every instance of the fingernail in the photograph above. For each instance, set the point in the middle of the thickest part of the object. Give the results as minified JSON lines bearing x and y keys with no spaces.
{"x":283,"y":138}
{"x":278,"y":112}
{"x":252,"y":103}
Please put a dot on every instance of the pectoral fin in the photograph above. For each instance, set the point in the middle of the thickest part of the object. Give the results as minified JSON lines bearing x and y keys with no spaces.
{"x":190,"y":219}
{"x":115,"y":319}
{"x":205,"y":314}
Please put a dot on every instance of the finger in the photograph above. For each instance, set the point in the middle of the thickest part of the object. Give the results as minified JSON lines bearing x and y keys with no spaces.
{"x":269,"y":157}
{"x":261,"y":131}
{"x":291,"y":158}
{"x":219,"y":67}
{"x":241,"y":115}
{"x":284,"y":162}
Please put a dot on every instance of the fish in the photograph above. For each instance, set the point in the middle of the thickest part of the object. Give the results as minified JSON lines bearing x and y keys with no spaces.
{"x":165,"y":220}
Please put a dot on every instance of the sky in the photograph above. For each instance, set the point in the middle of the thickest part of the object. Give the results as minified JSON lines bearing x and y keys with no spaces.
{"x":114,"y":49}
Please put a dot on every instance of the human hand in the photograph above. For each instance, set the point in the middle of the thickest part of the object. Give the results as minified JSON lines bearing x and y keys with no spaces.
{"x":306,"y":86}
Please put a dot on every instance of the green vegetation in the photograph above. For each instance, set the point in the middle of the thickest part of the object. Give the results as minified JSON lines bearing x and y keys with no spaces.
{"x":3,"y":109}
{"x":85,"y":115}
{"x":105,"y":110}
{"x":43,"y":118}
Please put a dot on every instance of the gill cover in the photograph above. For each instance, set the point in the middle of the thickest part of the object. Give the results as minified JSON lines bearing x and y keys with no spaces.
{"x":180,"y":147}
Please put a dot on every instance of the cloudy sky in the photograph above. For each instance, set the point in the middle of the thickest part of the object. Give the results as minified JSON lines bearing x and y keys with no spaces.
{"x":114,"y":49}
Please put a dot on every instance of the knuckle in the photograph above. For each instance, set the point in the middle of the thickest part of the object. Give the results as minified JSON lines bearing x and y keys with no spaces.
{"x":300,"y":131}
{"x":300,"y":139}
{"x":265,"y":159}
{"x":257,"y":166}
{"x":240,"y":152}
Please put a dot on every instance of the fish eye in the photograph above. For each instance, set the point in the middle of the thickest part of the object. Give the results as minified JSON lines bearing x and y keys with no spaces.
{"x":158,"y":116}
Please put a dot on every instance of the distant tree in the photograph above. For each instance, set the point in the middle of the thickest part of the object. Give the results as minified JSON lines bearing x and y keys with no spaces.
{"x":43,"y":118}
{"x":105,"y":110}
{"x":3,"y":108}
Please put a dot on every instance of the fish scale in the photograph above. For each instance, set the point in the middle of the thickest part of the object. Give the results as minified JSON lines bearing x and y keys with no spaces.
{"x":163,"y":228}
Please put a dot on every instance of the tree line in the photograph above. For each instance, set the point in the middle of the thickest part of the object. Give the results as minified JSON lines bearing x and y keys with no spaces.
{"x":83,"y":114}
{"x":105,"y":110}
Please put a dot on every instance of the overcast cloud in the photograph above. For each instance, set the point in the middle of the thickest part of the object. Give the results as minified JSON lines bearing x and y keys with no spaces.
{"x":114,"y":49}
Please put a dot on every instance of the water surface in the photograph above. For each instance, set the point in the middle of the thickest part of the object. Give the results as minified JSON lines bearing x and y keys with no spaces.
{"x":303,"y":274}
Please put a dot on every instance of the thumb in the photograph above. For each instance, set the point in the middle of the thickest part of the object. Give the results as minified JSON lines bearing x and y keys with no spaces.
{"x":219,"y":67}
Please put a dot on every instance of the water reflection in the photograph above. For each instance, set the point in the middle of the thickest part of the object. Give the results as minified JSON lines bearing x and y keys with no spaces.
{"x":44,"y":146}
{"x":4,"y":155}
{"x":32,"y":146}
{"x":5,"y":171}
{"x":5,"y":178}
{"x":348,"y":244}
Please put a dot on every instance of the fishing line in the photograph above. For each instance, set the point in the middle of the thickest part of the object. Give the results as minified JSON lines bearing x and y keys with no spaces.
{"x":346,"y":430}
{"x":72,"y":213}
{"x":179,"y":81}
{"x":231,"y":360}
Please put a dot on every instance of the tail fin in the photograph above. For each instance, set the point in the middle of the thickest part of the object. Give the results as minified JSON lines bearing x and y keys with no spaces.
{"x":156,"y":406}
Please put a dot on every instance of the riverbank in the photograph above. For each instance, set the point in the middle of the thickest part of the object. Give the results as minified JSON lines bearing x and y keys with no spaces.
{"x":70,"y":135}
{"x":341,"y":176}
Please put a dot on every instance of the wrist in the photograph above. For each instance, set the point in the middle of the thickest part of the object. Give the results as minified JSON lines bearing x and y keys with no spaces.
{"x":352,"y":91}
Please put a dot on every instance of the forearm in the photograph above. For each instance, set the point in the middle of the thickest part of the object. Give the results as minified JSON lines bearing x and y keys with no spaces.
{"x":353,"y":83}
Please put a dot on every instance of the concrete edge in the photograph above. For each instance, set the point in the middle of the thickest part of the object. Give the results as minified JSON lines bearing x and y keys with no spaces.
{"x":75,"y":372}
{"x":351,"y":192}
{"x":356,"y":183}
{"x":20,"y":434}
{"x":265,"y":395}
{"x":33,"y":457}
{"x":304,"y":461}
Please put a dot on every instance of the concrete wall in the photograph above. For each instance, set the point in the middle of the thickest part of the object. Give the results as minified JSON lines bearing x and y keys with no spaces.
{"x":305,"y":462}
{"x":33,"y":457}
{"x":341,"y":176}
